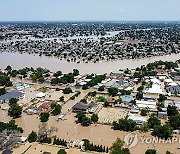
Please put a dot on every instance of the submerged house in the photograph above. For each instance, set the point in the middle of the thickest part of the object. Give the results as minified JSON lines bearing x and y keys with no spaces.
{"x":85,"y":107}
{"x":173,"y":89}
{"x":12,"y":94}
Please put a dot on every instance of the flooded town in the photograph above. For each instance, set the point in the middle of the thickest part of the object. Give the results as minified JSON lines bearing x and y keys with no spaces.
{"x":90,"y":77}
{"x":75,"y":106}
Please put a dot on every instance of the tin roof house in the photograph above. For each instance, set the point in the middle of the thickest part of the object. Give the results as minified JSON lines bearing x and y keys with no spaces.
{"x":12,"y":94}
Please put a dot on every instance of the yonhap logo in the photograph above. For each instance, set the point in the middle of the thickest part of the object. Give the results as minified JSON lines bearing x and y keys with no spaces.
{"x":131,"y":140}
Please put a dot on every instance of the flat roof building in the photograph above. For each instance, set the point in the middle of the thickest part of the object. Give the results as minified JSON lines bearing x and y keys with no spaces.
{"x":138,"y":119}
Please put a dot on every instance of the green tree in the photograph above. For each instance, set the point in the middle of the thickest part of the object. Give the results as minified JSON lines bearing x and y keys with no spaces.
{"x":112,"y":91}
{"x":61,"y":151}
{"x":61,"y":99}
{"x":32,"y":137}
{"x":125,"y":125}
{"x":56,"y":109}
{"x":85,"y":87}
{"x":144,"y":127}
{"x":172,"y":110}
{"x":10,"y":126}
{"x":57,"y":74}
{"x":94,"y":118}
{"x":80,"y":116}
{"x":13,"y":101}
{"x":15,"y":110}
{"x":34,"y":78}
{"x":140,"y":89}
{"x":75,"y":72}
{"x":153,"y":121}
{"x":5,"y":80}
{"x":117,"y":147}
{"x":86,"y":121}
{"x":164,"y":131}
{"x":67,"y":90}
{"x":44,"y":116}
{"x":144,"y":112}
{"x":139,"y":95}
{"x":174,"y":121}
{"x":162,"y":98}
{"x":101,"y":99}
{"x":101,"y":88}
{"x":41,"y":79}
{"x":2,"y":91}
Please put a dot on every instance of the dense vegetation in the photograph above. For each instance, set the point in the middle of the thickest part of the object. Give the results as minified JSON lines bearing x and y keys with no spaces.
{"x":125,"y":125}
{"x":5,"y":80}
{"x":91,"y":147}
{"x":117,"y":147}
{"x":56,"y":109}
{"x":58,"y":141}
{"x":2,"y":91}
{"x":10,"y":126}
{"x":15,"y":110}
{"x":67,"y":90}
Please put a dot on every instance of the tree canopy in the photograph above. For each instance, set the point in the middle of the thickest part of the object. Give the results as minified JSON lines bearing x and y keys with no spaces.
{"x":117,"y":147}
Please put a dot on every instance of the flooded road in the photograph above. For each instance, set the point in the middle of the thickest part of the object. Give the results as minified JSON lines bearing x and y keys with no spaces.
{"x":17,"y":61}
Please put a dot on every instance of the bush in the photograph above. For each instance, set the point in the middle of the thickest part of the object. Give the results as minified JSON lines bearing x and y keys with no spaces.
{"x":150,"y":151}
{"x":94,"y":118}
{"x":101,"y":99}
{"x":61,"y":151}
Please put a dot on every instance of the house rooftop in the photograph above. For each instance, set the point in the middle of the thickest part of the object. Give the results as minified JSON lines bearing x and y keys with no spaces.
{"x":81,"y":106}
{"x":11,"y":94}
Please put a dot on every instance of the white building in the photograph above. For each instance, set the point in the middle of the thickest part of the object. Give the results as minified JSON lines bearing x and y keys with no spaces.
{"x":138,"y":119}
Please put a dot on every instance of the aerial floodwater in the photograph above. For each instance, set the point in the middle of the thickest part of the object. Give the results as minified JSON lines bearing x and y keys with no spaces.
{"x":17,"y":61}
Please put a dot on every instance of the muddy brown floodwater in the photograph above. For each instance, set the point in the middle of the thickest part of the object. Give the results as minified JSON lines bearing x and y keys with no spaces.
{"x":17,"y":61}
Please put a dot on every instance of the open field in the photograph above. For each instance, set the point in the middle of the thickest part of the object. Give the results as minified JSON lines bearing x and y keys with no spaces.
{"x":108,"y":115}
